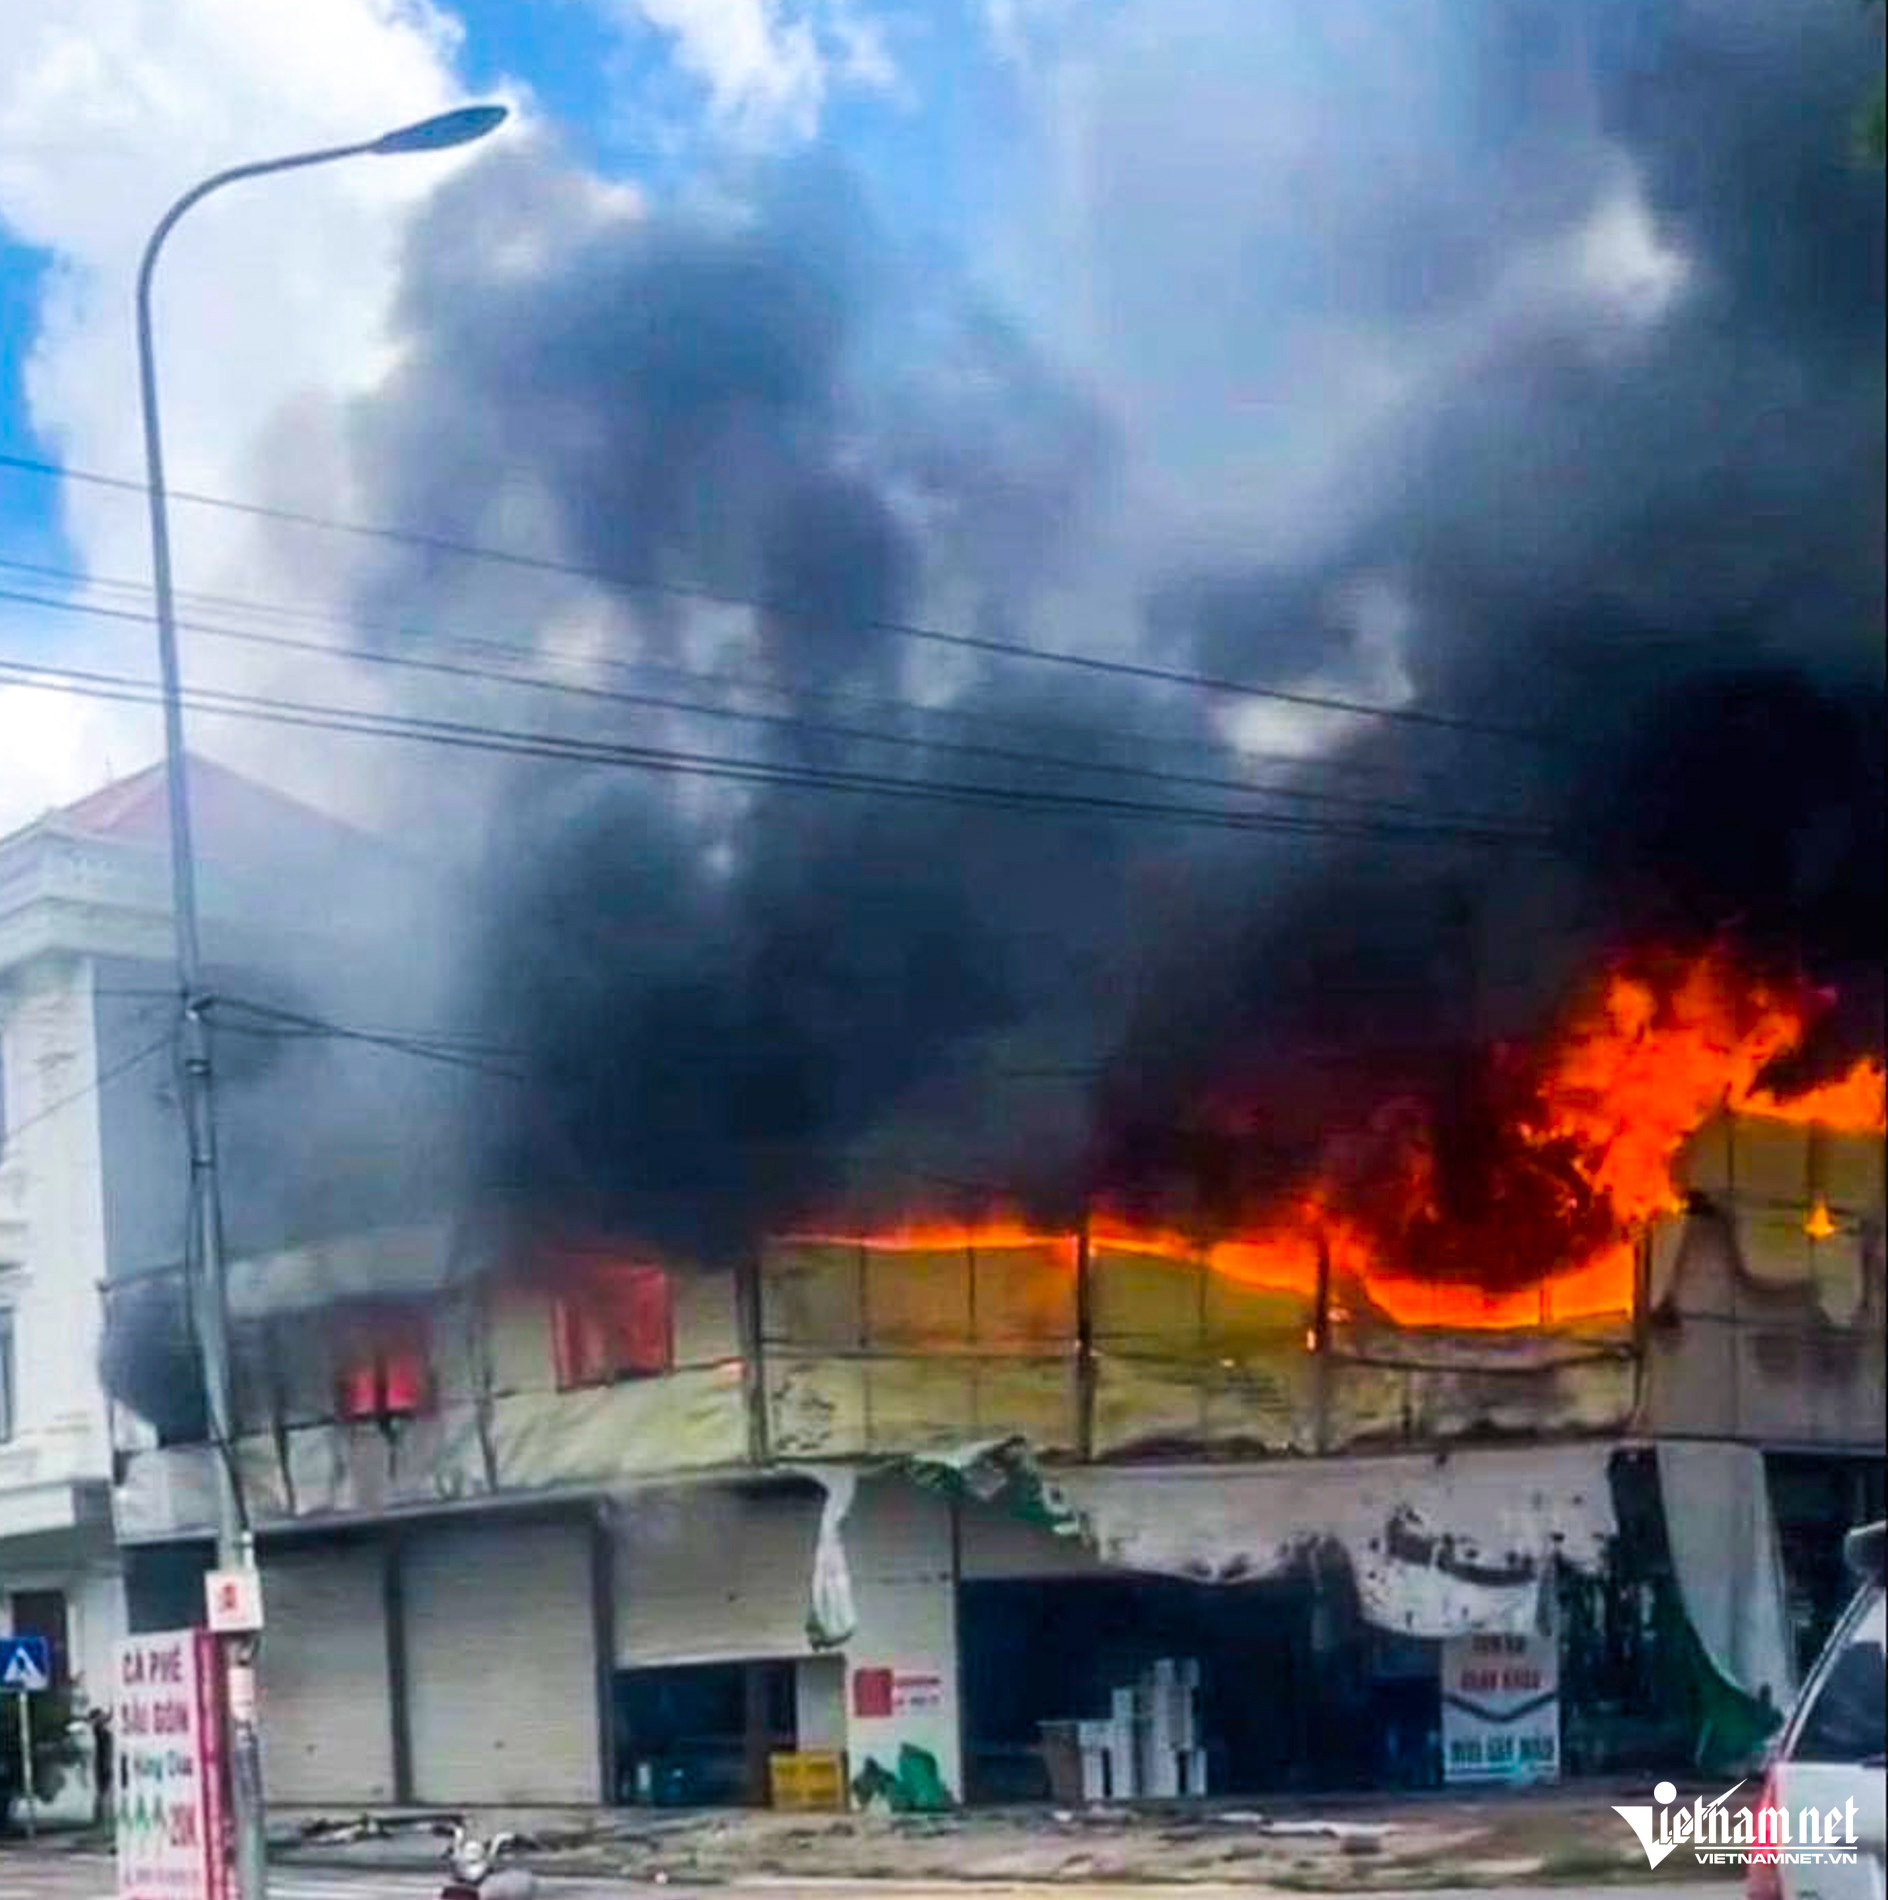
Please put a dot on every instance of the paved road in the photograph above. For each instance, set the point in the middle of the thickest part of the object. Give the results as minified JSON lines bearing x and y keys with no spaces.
{"x":28,"y":1876}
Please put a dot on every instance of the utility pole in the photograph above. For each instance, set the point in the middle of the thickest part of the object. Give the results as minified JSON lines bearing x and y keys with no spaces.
{"x":235,"y":1547}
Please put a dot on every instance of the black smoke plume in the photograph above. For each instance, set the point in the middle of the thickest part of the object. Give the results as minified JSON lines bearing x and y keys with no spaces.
{"x":1565,"y":323}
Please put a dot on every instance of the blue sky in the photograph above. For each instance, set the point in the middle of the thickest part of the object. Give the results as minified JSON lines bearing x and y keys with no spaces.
{"x":28,"y":508}
{"x":109,"y":108}
{"x":930,"y":116}
{"x":1266,"y":248}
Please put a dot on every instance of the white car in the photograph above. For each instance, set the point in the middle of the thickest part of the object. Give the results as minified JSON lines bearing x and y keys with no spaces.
{"x":1831,"y":1750}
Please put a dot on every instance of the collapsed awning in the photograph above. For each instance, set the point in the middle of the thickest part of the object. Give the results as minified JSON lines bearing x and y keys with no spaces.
{"x":1729,"y":1570}
{"x":1437,"y":1544}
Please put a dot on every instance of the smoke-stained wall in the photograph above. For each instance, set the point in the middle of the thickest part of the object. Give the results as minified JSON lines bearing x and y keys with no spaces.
{"x":323,"y":1129}
{"x":143,"y":1157}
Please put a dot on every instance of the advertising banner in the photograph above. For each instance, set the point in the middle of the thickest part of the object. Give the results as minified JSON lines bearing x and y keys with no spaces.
{"x":1500,"y":1708}
{"x":170,"y":1793}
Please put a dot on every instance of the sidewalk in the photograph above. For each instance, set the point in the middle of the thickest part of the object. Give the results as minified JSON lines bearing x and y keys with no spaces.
{"x":1338,"y":1844}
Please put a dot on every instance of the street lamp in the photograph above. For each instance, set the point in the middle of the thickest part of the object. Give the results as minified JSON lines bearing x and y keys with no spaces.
{"x":234,"y":1548}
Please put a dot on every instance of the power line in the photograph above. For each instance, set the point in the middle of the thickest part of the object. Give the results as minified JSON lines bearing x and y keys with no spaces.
{"x":295,"y":1023}
{"x":796,"y":722}
{"x":470,"y":1050}
{"x":726,"y":597}
{"x":469,"y":1041}
{"x":471,"y":736}
{"x":786,"y":722}
{"x":478,"y":1042}
{"x":110,"y":1073}
{"x":1193,"y":745}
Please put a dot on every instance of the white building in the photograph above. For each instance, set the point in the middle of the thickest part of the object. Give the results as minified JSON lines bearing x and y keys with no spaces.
{"x":81,"y":892}
{"x":91,"y":1163}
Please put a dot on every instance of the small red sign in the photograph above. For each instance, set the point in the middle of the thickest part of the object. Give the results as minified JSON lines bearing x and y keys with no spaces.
{"x":872,"y":1692}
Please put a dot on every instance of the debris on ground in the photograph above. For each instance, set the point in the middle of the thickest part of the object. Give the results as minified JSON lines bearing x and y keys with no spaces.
{"x":1335,"y":1845}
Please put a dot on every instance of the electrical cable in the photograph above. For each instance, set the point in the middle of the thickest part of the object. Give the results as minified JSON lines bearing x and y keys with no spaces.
{"x":472,"y":736}
{"x":373,"y":656}
{"x":110,"y":1073}
{"x":904,"y":629}
{"x":1191,"y":744}
{"x":466,"y":1049}
{"x":299,"y":1024}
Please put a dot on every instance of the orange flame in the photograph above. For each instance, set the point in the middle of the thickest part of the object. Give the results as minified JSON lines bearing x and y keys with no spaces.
{"x":1583,"y":1154}
{"x":918,"y":1236}
{"x":1854,"y":1103}
{"x":1819,"y":1223}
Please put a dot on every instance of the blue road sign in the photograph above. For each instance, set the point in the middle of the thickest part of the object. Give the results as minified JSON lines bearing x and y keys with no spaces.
{"x":25,"y":1664}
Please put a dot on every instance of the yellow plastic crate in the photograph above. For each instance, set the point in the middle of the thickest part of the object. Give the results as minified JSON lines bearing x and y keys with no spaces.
{"x":808,"y":1781}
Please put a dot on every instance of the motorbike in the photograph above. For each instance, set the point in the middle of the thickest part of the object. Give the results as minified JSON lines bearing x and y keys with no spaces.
{"x":476,"y":1868}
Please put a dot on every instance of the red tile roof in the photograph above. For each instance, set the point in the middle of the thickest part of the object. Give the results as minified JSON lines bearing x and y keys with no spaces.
{"x":231,"y":815}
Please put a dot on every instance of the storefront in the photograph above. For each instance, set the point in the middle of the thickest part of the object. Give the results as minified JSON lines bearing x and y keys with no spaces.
{"x":712,"y":1660}
{"x":450,"y":1663}
{"x":1289,"y":1624}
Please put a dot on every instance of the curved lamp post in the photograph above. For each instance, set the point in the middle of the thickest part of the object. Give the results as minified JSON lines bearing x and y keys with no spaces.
{"x":234,"y":1548}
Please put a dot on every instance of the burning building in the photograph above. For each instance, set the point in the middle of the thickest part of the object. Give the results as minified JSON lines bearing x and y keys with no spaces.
{"x":996,"y":1464}
{"x":1084,"y":1052}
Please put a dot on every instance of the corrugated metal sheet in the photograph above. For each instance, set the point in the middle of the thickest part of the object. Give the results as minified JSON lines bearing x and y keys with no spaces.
{"x":327,"y":1711}
{"x":501,"y":1663}
{"x":713,"y":1574}
{"x":1763,"y":1331}
{"x":880,"y":1350}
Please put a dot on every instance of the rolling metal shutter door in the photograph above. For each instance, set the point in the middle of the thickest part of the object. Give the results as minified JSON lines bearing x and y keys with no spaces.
{"x":327,"y":1718}
{"x":501,"y":1663}
{"x":713,"y":1575}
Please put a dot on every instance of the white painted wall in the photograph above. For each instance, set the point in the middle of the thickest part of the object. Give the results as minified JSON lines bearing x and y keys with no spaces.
{"x":52,"y":1237}
{"x":95,"y":1620}
{"x":52,"y":1257}
{"x":899,"y":1547}
{"x":819,"y":1702}
{"x":95,"y":1612}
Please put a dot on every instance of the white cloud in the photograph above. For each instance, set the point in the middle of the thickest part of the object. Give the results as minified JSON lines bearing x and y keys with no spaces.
{"x":862,"y":52}
{"x":270,"y":296}
{"x":55,"y":748}
{"x":1021,"y":32}
{"x":770,"y":67}
{"x":1619,"y":258}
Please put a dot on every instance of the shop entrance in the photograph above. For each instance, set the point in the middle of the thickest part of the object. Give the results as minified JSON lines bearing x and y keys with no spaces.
{"x":1057,"y":1650}
{"x":699,"y":1735}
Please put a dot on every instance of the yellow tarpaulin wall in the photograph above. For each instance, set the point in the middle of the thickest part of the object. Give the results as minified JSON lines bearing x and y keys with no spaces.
{"x":887,"y":1349}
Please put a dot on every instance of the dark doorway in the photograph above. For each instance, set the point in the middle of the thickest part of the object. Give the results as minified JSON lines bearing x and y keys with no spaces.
{"x":1036,"y":1652}
{"x":1815,"y":1500}
{"x":699,"y":1735}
